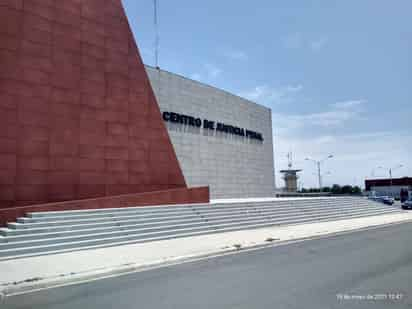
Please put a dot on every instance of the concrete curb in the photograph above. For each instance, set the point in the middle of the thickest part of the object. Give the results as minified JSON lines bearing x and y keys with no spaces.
{"x":38,"y":284}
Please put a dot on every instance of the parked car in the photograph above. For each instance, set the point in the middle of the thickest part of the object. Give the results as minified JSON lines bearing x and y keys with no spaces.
{"x":383,"y":199}
{"x":407,"y":204}
{"x":388,"y":200}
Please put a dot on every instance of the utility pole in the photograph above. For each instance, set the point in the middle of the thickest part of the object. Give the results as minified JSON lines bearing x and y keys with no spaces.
{"x":390,"y":175}
{"x":391,"y":169}
{"x":318,"y":166}
{"x":319,"y":176}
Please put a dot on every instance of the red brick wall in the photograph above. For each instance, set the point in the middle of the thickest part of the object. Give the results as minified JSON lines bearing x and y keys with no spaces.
{"x":78,"y":117}
{"x":168,"y":197}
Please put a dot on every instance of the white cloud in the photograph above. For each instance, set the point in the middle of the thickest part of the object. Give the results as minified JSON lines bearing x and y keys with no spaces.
{"x":355,"y":155}
{"x":318,"y":44}
{"x":265,"y":94}
{"x":293,"y":41}
{"x":291,"y":88}
{"x":329,"y":118}
{"x":348,"y":104}
{"x":235,"y":55}
{"x":299,"y":41}
{"x":212,"y":71}
{"x":337,"y":115}
{"x":207,"y":74}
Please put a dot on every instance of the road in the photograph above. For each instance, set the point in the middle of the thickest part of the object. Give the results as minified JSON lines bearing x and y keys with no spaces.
{"x":309,"y":274}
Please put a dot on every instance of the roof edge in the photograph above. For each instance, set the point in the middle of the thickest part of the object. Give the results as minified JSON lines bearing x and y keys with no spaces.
{"x":209,"y":86}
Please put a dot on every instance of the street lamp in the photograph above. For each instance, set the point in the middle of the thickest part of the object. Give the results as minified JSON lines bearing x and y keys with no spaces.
{"x":318,"y":165}
{"x":373,"y":170}
{"x":300,"y":185}
{"x":391,"y":169}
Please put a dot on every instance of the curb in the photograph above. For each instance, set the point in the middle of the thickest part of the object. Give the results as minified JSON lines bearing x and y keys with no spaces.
{"x":38,"y":284}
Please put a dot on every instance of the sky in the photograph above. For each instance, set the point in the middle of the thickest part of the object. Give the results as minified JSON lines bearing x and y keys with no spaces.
{"x":337,"y":75}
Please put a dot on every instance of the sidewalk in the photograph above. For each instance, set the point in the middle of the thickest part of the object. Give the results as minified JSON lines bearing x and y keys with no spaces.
{"x":28,"y":274}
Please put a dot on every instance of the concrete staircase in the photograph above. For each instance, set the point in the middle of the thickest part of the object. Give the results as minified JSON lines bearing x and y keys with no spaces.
{"x":51,"y":232}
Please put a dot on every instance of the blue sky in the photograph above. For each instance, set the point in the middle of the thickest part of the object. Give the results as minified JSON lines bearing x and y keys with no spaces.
{"x":336,"y":74}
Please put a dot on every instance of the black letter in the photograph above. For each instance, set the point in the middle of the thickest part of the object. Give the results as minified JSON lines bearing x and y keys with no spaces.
{"x":166,"y":116}
{"x":198,"y":122}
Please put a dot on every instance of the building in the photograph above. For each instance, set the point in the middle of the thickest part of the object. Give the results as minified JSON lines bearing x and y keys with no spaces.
{"x":290,"y":177}
{"x":389,"y":187}
{"x":85,"y":125}
{"x":80,"y":124}
{"x":221,"y":140}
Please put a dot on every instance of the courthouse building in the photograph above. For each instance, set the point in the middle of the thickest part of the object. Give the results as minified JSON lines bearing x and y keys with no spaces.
{"x":221,"y":140}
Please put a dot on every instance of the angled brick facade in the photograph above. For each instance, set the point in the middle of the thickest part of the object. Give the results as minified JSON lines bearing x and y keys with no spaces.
{"x":78,"y":117}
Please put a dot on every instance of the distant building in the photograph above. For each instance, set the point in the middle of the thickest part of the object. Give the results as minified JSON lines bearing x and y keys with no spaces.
{"x":290,"y":176}
{"x":291,"y":179}
{"x":387,"y":186}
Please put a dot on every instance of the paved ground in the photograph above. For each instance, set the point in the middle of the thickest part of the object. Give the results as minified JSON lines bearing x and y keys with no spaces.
{"x":310,"y":274}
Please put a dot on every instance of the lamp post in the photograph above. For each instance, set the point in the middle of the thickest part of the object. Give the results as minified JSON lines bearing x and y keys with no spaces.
{"x":318,"y":165}
{"x":391,"y":169}
{"x":390,"y":173}
{"x":373,"y":170}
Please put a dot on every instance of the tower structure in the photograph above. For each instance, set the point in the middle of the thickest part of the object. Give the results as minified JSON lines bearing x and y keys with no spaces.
{"x":290,"y":176}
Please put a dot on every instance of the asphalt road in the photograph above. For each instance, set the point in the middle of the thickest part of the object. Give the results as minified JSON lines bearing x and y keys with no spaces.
{"x":369,"y":269}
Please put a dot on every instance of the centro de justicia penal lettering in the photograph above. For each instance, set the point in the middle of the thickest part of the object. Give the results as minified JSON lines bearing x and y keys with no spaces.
{"x":211,"y":125}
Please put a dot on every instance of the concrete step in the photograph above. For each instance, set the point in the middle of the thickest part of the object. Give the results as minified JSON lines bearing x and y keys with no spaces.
{"x":167,"y":224}
{"x":206,"y":214}
{"x":135,"y":210}
{"x":81,"y":212}
{"x":20,"y":229}
{"x":132,"y":238}
{"x":33,"y":233}
{"x":46,"y":232}
{"x":170,"y":208}
{"x":108,"y":215}
{"x":65,"y":216}
{"x":27,"y":229}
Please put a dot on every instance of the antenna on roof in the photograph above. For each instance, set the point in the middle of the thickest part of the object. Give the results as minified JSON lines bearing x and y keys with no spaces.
{"x":289,"y":155}
{"x":157,"y":38}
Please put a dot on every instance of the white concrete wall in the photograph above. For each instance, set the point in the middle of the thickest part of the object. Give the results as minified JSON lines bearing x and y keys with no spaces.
{"x":394,"y":191}
{"x":231,"y":166}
